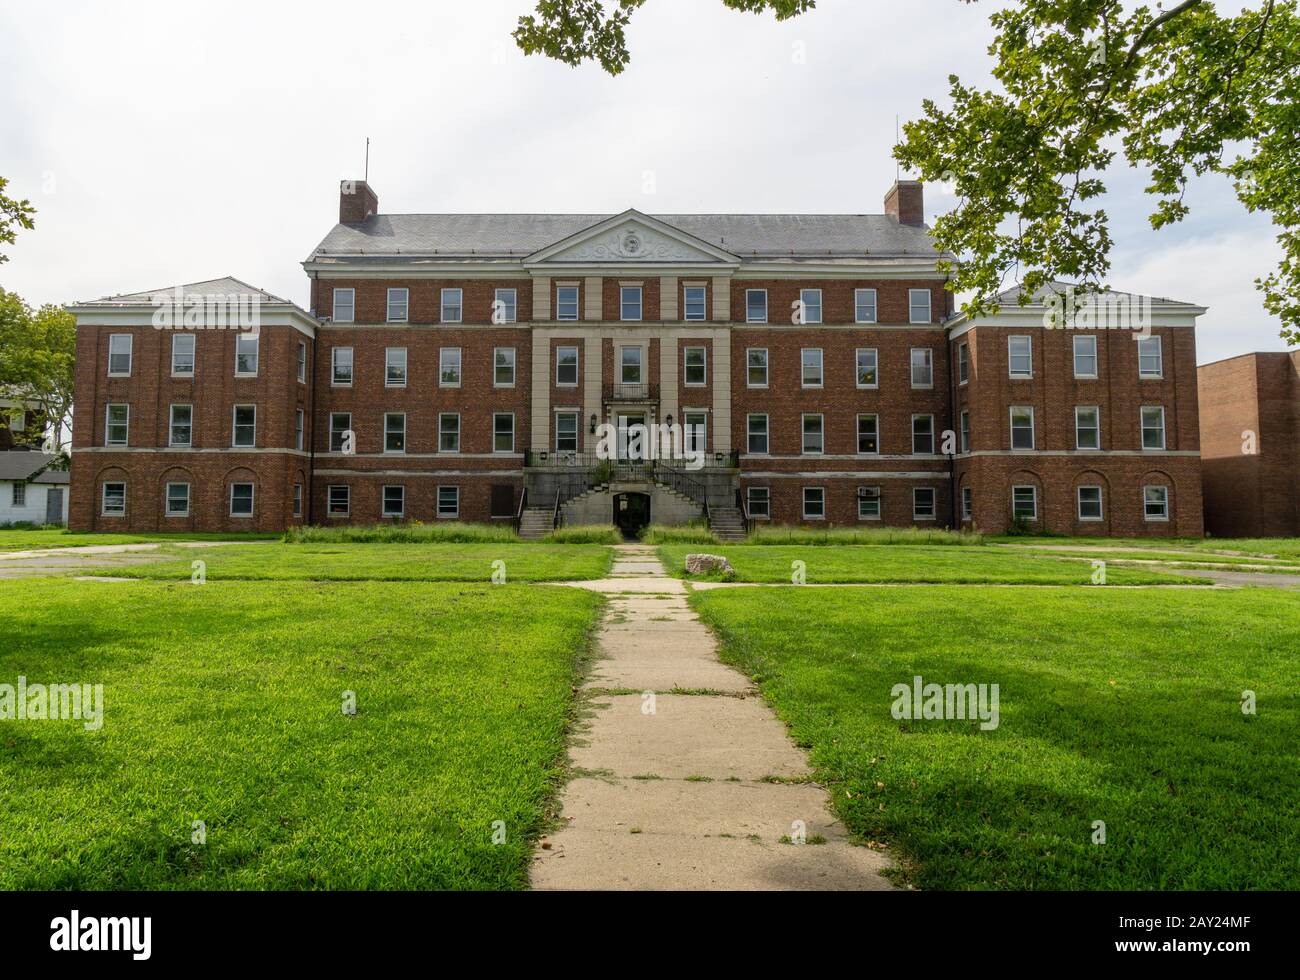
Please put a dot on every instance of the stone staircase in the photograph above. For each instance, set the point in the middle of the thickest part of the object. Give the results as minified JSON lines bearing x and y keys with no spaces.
{"x":536,"y":522}
{"x":727,"y":523}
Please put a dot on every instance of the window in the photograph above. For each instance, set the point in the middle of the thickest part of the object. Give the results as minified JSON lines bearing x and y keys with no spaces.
{"x":244,"y":429}
{"x":811,"y":302}
{"x":967,"y":503}
{"x":448,"y":433}
{"x":246,"y":355}
{"x":340,"y":427}
{"x":119,"y":355}
{"x":1150,"y":358}
{"x":297,"y":429}
{"x":693,"y":303}
{"x":867,"y":362}
{"x":302,"y":362}
{"x":451,"y":305}
{"x":113,"y":503}
{"x":695,"y":432}
{"x":811,"y":359}
{"x":918,"y":306}
{"x":630,"y":365}
{"x":449,"y":367}
{"x":345,"y":305}
{"x":868,"y":503}
{"x":814,"y":503}
{"x":339,"y":501}
{"x":760,"y":503}
{"x":505,"y":306}
{"x":297,"y":500}
{"x":449,"y":502}
{"x":965,"y":431}
{"x":1155,"y":503}
{"x":922,"y":367}
{"x":178,"y":500}
{"x":566,"y":302}
{"x":813,"y":436}
{"x":695,"y":366}
{"x":395,"y":367}
{"x":864,"y":306}
{"x":629,"y":303}
{"x":395,"y":432}
{"x":19,"y":498}
{"x":1020,"y":357}
{"x":117,"y":421}
{"x":756,"y":367}
{"x":397,"y":305}
{"x":503,"y":367}
{"x":241,"y":500}
{"x":180,"y":429}
{"x":1087,"y":427}
{"x":1085,"y":357}
{"x":1022,"y":427}
{"x":757,"y":434}
{"x":394,"y":501}
{"x":566,"y":432}
{"x":922,"y":434}
{"x":1153,"y":427}
{"x":1024,"y":503}
{"x":963,"y":363}
{"x":566,"y":367}
{"x":869,"y":434}
{"x":923,"y":503}
{"x":342,"y":361}
{"x":503,"y":432}
{"x":756,"y":306}
{"x":1089,"y":503}
{"x":183,"y":355}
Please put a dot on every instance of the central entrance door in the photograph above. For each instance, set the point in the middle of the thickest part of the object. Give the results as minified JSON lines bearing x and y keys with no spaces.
{"x":632,"y":435}
{"x":631,"y":512}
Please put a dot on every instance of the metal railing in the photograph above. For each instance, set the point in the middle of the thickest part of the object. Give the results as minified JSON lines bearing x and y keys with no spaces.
{"x":574,"y":460}
{"x":631,"y":392}
{"x":519,"y":513}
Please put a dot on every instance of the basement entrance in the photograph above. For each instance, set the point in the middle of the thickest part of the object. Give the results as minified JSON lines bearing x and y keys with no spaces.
{"x":631,"y":512}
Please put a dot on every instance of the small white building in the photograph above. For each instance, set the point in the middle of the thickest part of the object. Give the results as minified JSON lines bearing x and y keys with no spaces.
{"x":30,"y":490}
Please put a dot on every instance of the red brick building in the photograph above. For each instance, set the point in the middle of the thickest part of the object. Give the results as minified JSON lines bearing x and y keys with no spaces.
{"x":468,"y":366}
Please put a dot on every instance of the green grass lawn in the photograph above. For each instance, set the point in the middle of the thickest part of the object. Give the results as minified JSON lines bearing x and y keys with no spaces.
{"x":1116,"y":706}
{"x":224,"y":704}
{"x":20,"y":540}
{"x":1287,"y":548}
{"x":1191,"y":556}
{"x":903,"y":563}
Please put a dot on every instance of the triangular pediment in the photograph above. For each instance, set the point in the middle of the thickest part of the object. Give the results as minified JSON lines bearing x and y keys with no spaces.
{"x":631,"y":238}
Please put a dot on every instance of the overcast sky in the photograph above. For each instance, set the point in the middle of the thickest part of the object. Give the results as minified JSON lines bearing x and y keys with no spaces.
{"x":169,"y":142}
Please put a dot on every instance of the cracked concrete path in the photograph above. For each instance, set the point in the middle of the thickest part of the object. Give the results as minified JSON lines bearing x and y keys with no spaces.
{"x":690,"y":782}
{"x":39,"y":562}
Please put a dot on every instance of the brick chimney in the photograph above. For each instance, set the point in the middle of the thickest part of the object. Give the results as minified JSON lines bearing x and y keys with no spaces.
{"x":905,"y":202}
{"x":357,"y":202}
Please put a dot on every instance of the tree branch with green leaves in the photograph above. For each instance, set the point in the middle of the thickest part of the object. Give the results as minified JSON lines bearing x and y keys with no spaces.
{"x":37,"y":354}
{"x":14,"y":214}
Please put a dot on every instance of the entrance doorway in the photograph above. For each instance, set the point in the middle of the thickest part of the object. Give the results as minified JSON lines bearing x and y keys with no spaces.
{"x":631,"y":512}
{"x":632,"y":436}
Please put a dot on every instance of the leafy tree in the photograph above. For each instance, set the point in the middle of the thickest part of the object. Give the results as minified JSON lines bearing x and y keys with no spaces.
{"x":37,"y":352}
{"x":12,"y":213}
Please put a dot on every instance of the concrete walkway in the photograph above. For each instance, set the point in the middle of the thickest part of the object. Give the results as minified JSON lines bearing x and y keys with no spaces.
{"x":688,"y":790}
{"x":57,"y":561}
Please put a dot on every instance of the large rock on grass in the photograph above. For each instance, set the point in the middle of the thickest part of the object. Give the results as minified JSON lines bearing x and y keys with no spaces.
{"x":709,"y":565}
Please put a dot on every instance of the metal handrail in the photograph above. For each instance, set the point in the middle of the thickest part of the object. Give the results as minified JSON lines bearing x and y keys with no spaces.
{"x":519,"y":512}
{"x":555,"y":515}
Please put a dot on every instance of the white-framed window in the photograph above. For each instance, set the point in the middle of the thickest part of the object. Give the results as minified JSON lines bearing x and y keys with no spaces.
{"x":963,"y":363}
{"x":918,"y":306}
{"x":810,"y":359}
{"x":810,"y":301}
{"x":246,"y":345}
{"x":869,"y":435}
{"x":1151,"y":363}
{"x":339,"y":500}
{"x":1022,"y":427}
{"x":340,"y":426}
{"x":566,"y":432}
{"x":243,"y":427}
{"x":965,"y":430}
{"x":1020,"y":356}
{"x":756,"y":434}
{"x":503,"y":432}
{"x":756,"y":367}
{"x":922,"y":435}
{"x":868,"y":362}
{"x":113,"y":499}
{"x":694,"y":372}
{"x":1085,"y":356}
{"x":1153,"y":427}
{"x":629,"y":359}
{"x":505,"y":306}
{"x":864,"y":306}
{"x":629,"y":302}
{"x":241,"y":500}
{"x":183,"y":355}
{"x":449,"y":367}
{"x":180,"y":428}
{"x":756,"y":306}
{"x":694,"y":303}
{"x":1155,"y":503}
{"x":448,"y":432}
{"x":923,"y":506}
{"x":760,"y":503}
{"x":341,"y":362}
{"x":814,"y":436}
{"x":119,"y":355}
{"x":345,"y":305}
{"x":395,"y":367}
{"x":394,"y":500}
{"x":1087,"y":427}
{"x":19,"y":493}
{"x":695,"y":432}
{"x":302,"y":362}
{"x":1089,"y":503}
{"x":1024,"y":503}
{"x":450,"y":309}
{"x":868,"y":503}
{"x":922,"y":367}
{"x":503,"y":367}
{"x":117,"y":425}
{"x":178,"y":500}
{"x":566,"y":302}
{"x":297,"y":500}
{"x":398,"y":304}
{"x":298,"y":420}
{"x":394,"y":432}
{"x":449,"y":502}
{"x":566,"y":367}
{"x":814,"y":503}
{"x":967,"y":503}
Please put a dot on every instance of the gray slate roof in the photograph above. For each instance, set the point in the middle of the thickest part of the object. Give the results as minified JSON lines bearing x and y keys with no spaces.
{"x":1011,"y":297}
{"x":22,"y":465}
{"x":225,"y":286}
